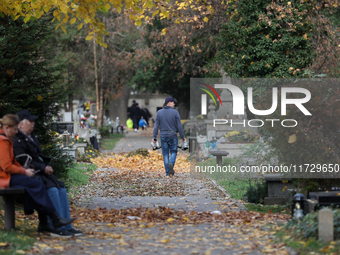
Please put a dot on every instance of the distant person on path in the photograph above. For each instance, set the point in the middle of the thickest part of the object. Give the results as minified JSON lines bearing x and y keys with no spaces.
{"x":13,"y":175}
{"x":142,"y":123}
{"x":129,"y":123}
{"x":146,"y":115}
{"x":132,"y":110}
{"x":136,"y":117}
{"x":25,"y":142}
{"x":168,"y":122}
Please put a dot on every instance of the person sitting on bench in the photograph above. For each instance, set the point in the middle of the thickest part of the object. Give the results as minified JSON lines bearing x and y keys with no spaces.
{"x":13,"y":175}
{"x":25,"y":142}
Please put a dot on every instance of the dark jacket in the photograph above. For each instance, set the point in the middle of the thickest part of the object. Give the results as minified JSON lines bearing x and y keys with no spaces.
{"x":22,"y":144}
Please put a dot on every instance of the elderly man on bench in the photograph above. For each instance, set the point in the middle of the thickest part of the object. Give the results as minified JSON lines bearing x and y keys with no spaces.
{"x":25,"y":142}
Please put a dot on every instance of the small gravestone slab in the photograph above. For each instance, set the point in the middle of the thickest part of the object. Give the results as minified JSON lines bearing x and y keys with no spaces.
{"x":326,"y":225}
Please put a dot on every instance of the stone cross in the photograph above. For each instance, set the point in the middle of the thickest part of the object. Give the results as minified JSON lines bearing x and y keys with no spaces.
{"x":326,"y":225}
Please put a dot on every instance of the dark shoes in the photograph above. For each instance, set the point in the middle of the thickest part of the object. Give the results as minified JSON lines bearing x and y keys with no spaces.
{"x":44,"y":228}
{"x":171,"y":169}
{"x":63,"y":233}
{"x":60,"y":232}
{"x":59,"y":222}
{"x":75,"y":232}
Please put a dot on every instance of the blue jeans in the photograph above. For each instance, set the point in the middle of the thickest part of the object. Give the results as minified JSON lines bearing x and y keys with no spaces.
{"x":169,"y":144}
{"x":60,"y":202}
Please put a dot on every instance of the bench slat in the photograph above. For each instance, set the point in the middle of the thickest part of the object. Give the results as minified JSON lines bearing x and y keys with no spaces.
{"x":12,"y":191}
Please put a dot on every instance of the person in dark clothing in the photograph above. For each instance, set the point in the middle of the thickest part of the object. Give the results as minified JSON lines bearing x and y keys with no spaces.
{"x":136,"y":117}
{"x":14,"y":175}
{"x":132,"y":109}
{"x":168,"y":122}
{"x":25,"y":143}
{"x":146,"y":115}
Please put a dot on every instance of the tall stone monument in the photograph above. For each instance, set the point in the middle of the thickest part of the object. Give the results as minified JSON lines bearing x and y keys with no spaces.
{"x":225,"y":114}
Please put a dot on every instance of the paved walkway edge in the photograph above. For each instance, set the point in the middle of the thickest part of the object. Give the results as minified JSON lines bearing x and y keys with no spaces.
{"x":226,"y":194}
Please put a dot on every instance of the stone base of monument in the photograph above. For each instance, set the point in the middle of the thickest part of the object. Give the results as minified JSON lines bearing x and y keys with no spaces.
{"x":279,"y":189}
{"x":71,"y":151}
{"x":80,"y":147}
{"x":234,"y":149}
{"x":276,"y":200}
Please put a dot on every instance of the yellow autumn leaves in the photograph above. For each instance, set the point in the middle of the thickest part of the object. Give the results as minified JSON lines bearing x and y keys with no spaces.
{"x":83,"y":11}
{"x":152,"y":164}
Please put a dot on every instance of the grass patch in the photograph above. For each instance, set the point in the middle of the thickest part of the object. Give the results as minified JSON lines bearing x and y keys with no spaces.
{"x":285,"y":209}
{"x":16,"y":242}
{"x":110,"y":143}
{"x":236,"y":188}
{"x":78,"y":175}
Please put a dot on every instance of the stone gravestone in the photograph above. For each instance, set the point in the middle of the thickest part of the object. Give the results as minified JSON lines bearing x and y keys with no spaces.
{"x":67,"y":116}
{"x":60,"y":127}
{"x":326,"y":225}
{"x":93,"y":109}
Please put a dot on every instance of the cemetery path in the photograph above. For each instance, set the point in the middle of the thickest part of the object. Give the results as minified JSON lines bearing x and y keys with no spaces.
{"x":130,"y":207}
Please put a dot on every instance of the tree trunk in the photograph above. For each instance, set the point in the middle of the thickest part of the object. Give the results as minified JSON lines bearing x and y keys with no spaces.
{"x":100,"y":102}
{"x":70,"y":104}
{"x":95,"y":72}
{"x":101,"y":109}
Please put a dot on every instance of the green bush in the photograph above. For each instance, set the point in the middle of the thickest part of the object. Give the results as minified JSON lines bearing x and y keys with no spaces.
{"x":105,"y":131}
{"x":256,"y":43}
{"x":61,"y":161}
{"x":256,"y":193}
{"x":89,"y":153}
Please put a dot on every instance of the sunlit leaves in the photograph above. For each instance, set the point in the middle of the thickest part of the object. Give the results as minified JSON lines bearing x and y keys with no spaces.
{"x":72,"y":21}
{"x":83,"y":10}
{"x":80,"y":26}
{"x":89,"y":37}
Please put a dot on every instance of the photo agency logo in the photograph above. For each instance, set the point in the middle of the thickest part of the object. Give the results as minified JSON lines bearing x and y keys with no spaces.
{"x":238,"y":104}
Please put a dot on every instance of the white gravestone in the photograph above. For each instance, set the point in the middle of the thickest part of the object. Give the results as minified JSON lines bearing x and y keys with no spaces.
{"x":326,"y":225}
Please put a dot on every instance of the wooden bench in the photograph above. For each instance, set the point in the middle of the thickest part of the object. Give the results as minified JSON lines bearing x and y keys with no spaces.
{"x":9,"y":199}
{"x":219,"y":155}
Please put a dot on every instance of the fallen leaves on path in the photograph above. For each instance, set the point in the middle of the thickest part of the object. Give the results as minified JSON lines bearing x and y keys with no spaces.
{"x":201,"y":239}
{"x":143,"y":165}
{"x":169,"y":216}
{"x":119,"y":176}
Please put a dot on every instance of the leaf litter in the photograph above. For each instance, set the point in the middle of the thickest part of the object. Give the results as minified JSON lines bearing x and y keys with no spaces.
{"x":160,"y":230}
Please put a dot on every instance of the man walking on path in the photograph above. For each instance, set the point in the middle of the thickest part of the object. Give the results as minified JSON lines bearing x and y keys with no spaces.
{"x":168,"y":122}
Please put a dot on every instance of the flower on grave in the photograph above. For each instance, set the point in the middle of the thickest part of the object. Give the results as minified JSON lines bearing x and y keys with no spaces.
{"x":232,"y":133}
